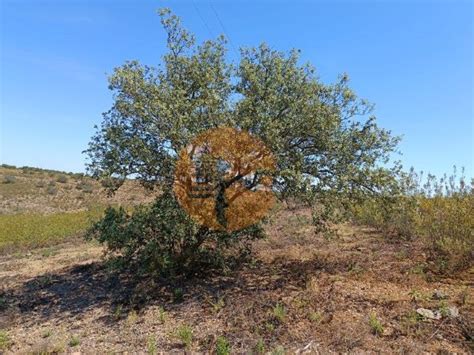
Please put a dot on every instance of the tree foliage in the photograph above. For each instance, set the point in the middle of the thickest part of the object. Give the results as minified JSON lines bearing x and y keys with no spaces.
{"x":328,"y":148}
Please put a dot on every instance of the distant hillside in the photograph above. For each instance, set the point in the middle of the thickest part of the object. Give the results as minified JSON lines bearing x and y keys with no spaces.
{"x":28,"y":189}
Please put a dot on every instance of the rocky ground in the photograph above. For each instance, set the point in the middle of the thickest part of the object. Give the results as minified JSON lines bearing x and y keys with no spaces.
{"x":356,"y":292}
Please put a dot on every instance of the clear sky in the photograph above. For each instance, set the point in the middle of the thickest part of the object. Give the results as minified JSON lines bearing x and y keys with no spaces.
{"x":413,"y":59}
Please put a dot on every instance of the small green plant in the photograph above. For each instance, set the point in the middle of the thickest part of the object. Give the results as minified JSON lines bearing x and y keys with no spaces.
{"x":260,"y":346}
{"x":222,"y":346}
{"x":47,"y":333}
{"x":315,"y":317}
{"x":3,"y":303}
{"x":443,"y":308}
{"x":132,"y":317}
{"x":279,"y":312}
{"x":178,"y":295}
{"x":185,"y":334}
{"x":4,"y":340}
{"x":162,"y":315}
{"x":151,"y":345}
{"x":118,"y":312}
{"x":218,"y":305}
{"x":411,"y":321}
{"x":418,"y":295}
{"x":375,"y":324}
{"x":74,"y":341}
{"x":9,"y":179}
{"x":269,"y":327}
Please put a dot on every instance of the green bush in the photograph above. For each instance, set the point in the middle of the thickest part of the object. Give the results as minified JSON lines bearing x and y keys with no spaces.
{"x":162,"y":238}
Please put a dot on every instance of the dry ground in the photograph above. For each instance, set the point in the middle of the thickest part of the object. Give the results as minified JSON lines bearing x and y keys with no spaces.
{"x":300,"y":291}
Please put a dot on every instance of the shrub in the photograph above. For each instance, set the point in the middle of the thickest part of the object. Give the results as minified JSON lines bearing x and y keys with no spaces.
{"x":52,"y":190}
{"x":40,"y":184}
{"x":163,"y":239}
{"x":9,"y":179}
{"x":62,"y":179}
{"x":85,"y":187}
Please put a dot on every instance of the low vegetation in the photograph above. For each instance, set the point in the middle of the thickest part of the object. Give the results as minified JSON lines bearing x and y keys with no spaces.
{"x":439,"y":213}
{"x":26,"y":231}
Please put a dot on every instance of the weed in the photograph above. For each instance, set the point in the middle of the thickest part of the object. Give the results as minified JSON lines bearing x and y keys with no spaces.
{"x":222,"y":346}
{"x":185,"y":334}
{"x":315,"y":316}
{"x":260,"y":347}
{"x":162,"y":315}
{"x":411,"y":321}
{"x":132,"y":317}
{"x":418,"y":296}
{"x":47,"y":333}
{"x":269,"y":327}
{"x":4,"y":340}
{"x":178,"y":295}
{"x":279,"y":312}
{"x":74,"y":341}
{"x":151,"y":345}
{"x":218,"y":305}
{"x":3,"y":303}
{"x":118,"y":312}
{"x":375,"y":324}
{"x":444,"y":309}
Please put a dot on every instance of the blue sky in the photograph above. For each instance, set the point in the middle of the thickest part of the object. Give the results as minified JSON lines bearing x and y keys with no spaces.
{"x":413,"y":59}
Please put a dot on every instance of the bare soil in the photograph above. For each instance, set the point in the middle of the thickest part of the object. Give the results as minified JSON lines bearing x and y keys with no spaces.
{"x":299,"y":293}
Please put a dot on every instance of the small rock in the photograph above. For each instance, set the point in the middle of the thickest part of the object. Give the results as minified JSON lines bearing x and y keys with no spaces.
{"x":388,"y":331}
{"x":453,"y":312}
{"x":439,"y":295}
{"x":429,"y":314}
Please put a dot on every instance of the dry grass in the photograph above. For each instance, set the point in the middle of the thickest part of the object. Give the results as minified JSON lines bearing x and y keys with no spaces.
{"x":353,"y":293}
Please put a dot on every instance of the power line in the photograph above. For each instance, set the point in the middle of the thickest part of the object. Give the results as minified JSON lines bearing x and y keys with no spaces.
{"x":202,"y":19}
{"x":223,"y":29}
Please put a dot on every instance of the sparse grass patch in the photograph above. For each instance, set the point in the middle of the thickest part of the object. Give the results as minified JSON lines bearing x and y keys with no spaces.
{"x":375,"y":324}
{"x":222,"y":346}
{"x":279,"y":312}
{"x":162,"y":315}
{"x":315,"y":317}
{"x":74,"y":341}
{"x":151,"y":345}
{"x":260,"y":347}
{"x":185,"y":334}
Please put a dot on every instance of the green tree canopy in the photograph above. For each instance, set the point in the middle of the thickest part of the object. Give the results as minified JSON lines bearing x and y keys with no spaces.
{"x":324,"y":139}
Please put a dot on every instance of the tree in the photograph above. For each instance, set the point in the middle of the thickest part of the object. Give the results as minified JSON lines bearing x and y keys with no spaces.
{"x":326,"y":144}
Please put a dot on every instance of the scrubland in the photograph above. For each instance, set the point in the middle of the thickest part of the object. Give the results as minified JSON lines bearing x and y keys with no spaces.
{"x":368,"y":287}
